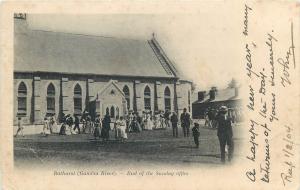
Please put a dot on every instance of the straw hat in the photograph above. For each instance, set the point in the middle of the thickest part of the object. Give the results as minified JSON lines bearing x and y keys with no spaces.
{"x":223,"y":109}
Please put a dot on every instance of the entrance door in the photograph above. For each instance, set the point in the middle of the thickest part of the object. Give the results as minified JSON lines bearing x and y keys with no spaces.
{"x":92,"y":109}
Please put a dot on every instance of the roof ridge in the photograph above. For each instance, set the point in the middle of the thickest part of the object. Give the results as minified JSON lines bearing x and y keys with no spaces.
{"x":88,"y":35}
{"x":161,"y":53}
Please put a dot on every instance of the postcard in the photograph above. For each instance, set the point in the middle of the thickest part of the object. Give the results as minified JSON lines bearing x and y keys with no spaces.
{"x":150,"y":95}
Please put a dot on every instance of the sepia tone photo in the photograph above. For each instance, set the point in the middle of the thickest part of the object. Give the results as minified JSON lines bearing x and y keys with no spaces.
{"x":149,"y":95}
{"x":84,"y":98}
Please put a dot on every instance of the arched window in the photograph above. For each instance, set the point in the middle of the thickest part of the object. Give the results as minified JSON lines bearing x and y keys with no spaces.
{"x":117,"y":112}
{"x":50,"y":98}
{"x":107,"y":111}
{"x":147,"y":98}
{"x":77,"y":99}
{"x":127,"y":96}
{"x":22,"y":98}
{"x":167,"y":94}
{"x":112,"y":112}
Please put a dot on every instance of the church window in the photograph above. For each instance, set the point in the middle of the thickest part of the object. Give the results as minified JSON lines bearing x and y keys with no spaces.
{"x":77,"y":99}
{"x":127,"y":96}
{"x":22,"y":98}
{"x":167,"y":94}
{"x":112,"y":112}
{"x":117,"y":112}
{"x":147,"y":98}
{"x":50,"y":98}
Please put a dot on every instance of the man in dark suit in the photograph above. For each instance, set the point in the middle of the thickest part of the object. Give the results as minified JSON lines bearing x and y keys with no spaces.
{"x":76,"y":124}
{"x":105,"y":127}
{"x":185,"y":123}
{"x":174,"y":121}
{"x":225,"y":133}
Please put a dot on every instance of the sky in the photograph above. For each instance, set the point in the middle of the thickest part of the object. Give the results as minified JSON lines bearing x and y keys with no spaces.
{"x":203,"y":45}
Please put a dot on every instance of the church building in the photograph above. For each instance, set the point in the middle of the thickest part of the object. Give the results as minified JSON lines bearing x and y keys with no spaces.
{"x":58,"y":73}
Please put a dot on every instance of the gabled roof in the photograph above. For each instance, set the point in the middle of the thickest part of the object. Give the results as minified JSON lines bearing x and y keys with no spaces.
{"x":221,"y":95}
{"x":47,"y":51}
{"x":111,"y":82}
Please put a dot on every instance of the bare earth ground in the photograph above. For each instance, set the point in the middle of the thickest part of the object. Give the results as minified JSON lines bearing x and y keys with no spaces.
{"x":145,"y":148}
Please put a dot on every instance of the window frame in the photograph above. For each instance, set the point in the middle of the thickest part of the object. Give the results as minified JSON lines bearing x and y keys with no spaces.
{"x":167,"y":98}
{"x":77,"y":99}
{"x":22,"y":99}
{"x":50,"y":99}
{"x":147,"y":98}
{"x":127,"y":95}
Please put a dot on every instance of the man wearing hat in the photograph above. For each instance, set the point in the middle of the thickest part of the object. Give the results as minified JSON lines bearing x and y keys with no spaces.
{"x":185,"y":123}
{"x":225,"y":133}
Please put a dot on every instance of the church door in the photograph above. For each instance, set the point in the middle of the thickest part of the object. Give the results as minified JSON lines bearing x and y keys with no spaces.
{"x":92,"y":109}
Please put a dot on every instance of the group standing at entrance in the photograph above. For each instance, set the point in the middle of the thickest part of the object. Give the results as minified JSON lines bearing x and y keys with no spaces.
{"x":101,"y":127}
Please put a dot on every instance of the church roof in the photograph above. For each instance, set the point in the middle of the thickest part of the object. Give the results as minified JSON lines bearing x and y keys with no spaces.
{"x":48,"y":51}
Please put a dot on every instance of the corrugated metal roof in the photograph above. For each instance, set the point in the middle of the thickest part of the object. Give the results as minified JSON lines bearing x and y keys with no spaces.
{"x":48,"y":51}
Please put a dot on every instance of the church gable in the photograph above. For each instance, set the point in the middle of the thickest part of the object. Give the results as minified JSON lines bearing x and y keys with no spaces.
{"x":111,"y":100}
{"x":111,"y":89}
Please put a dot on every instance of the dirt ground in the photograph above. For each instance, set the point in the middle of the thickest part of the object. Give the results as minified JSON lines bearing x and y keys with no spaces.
{"x":151,"y":148}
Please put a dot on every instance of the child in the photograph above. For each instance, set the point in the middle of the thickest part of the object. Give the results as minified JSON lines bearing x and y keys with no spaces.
{"x":196,"y":134}
{"x":20,"y":127}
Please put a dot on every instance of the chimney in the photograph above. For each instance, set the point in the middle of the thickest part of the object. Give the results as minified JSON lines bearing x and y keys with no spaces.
{"x":212,"y":93}
{"x":201,"y":95}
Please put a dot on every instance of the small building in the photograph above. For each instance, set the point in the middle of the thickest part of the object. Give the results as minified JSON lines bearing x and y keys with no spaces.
{"x":214,"y":99}
{"x":58,"y":73}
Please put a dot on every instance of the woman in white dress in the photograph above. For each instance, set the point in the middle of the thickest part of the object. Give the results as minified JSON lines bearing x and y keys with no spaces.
{"x":68,"y":130}
{"x":162,"y":121}
{"x":148,"y":122}
{"x":46,"y":128}
{"x":122,"y":127}
{"x":117,"y":128}
{"x":53,"y":124}
{"x":157,"y":124}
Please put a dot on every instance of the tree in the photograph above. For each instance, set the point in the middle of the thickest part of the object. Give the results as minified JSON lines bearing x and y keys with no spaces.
{"x":233,"y":83}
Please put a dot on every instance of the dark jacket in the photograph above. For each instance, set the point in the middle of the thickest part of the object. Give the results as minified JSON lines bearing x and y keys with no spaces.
{"x":174,"y":119}
{"x":211,"y":115}
{"x":185,"y":120}
{"x":76,"y":120}
{"x":97,"y":122}
{"x":196,"y":131}
{"x":69,"y":121}
{"x":224,"y":126}
{"x":106,"y":122}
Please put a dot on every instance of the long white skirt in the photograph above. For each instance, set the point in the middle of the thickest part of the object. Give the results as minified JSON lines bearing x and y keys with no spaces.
{"x":123,"y":132}
{"x":68,"y":130}
{"x":148,"y":125}
{"x":157,"y":124}
{"x":47,"y":131}
{"x":55,"y":128}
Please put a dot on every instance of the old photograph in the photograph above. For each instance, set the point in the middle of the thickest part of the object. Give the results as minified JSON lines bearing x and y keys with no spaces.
{"x":137,"y":95}
{"x":90,"y":90}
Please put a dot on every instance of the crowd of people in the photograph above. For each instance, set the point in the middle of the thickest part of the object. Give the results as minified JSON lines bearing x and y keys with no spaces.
{"x":100,"y":127}
{"x":211,"y":115}
{"x":121,"y":126}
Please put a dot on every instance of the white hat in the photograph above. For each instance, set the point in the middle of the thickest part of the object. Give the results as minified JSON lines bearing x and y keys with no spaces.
{"x":223,"y":108}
